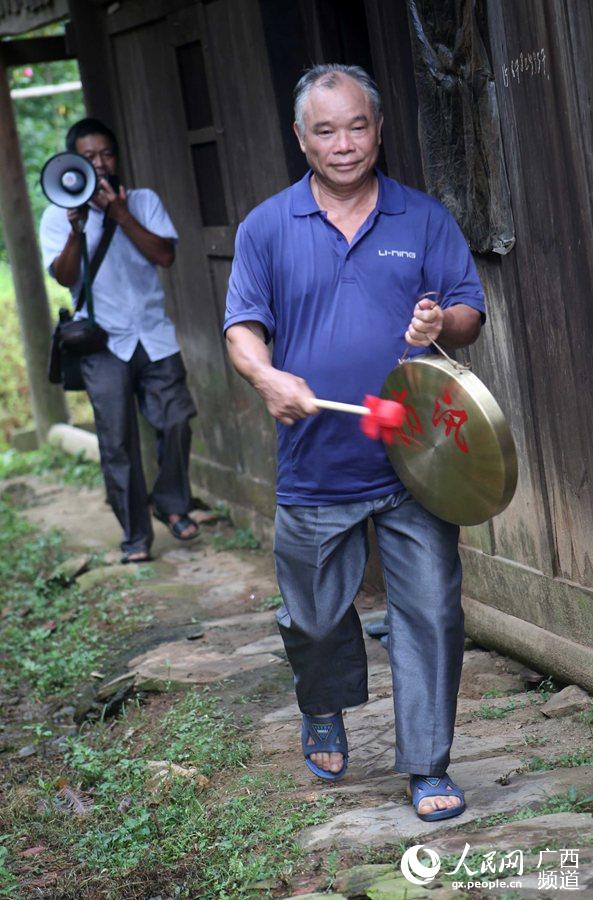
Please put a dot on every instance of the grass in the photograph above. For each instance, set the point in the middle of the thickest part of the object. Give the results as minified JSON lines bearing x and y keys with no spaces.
{"x":14,"y":390}
{"x":586,"y":716}
{"x":582,"y":757}
{"x":495,"y":712}
{"x":183,"y":839}
{"x":48,"y":460}
{"x":554,"y":803}
{"x":51,"y":637}
{"x":275,"y":601}
{"x":241,"y":539}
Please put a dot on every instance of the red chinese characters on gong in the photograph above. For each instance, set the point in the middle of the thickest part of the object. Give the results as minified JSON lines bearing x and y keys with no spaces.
{"x":406,"y":433}
{"x":452,"y":419}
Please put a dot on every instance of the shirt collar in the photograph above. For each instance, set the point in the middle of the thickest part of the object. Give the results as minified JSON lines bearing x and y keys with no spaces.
{"x":391,"y":198}
{"x":303,"y":201}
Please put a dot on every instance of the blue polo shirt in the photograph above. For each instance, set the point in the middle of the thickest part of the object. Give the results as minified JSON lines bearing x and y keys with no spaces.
{"x":337,"y":314}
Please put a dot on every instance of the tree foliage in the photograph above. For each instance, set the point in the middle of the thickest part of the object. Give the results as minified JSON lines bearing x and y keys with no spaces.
{"x":42,"y":122}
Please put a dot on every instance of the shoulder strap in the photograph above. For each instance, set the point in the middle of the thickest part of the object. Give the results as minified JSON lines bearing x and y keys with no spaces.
{"x":98,"y":257}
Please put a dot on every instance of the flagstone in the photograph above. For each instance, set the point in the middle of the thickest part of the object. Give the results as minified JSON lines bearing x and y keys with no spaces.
{"x":185,"y":662}
{"x":389,"y":823}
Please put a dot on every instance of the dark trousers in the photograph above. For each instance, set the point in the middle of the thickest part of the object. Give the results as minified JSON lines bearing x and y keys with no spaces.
{"x":165,"y":402}
{"x":321,"y":553}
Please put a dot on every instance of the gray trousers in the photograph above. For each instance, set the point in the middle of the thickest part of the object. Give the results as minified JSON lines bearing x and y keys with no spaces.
{"x":165,"y":402}
{"x":321,"y":553}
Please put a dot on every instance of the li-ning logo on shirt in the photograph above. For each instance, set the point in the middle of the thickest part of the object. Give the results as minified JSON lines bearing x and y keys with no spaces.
{"x":402,"y":254}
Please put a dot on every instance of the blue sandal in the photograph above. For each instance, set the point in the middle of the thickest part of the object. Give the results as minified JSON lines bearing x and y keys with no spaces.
{"x":422,"y":786}
{"x":329,"y":736}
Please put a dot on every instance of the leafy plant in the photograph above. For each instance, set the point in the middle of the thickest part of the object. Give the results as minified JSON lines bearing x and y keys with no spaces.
{"x":241,"y":539}
{"x":74,"y":470}
{"x":582,"y":757}
{"x":42,"y":121}
{"x":495,"y":712}
{"x":50,"y":636}
{"x":275,"y":601}
{"x":15,"y":407}
{"x":222,"y":840}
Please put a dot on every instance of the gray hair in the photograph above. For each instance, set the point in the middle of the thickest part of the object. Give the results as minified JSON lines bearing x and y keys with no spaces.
{"x":327,"y":75}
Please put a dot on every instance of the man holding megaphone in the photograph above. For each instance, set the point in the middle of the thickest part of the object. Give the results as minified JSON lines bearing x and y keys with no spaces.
{"x":129,"y":234}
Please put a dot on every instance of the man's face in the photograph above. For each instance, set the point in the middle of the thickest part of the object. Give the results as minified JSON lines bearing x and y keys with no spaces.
{"x":342,"y":136}
{"x":98,"y":149}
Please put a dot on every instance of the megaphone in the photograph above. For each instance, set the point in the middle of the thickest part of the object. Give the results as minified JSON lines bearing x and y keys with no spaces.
{"x":68,"y":180}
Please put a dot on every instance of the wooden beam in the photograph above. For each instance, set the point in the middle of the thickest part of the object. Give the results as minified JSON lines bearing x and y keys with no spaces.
{"x":18,"y":18}
{"x":86,"y":33}
{"x":34,"y":50}
{"x":49,"y":405}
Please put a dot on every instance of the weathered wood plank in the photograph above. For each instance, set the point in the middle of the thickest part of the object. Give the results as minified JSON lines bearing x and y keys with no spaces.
{"x":20,"y":17}
{"x":499,"y":358}
{"x":252,"y":142}
{"x":156,"y":135}
{"x":135,"y":13}
{"x":35,"y":50}
{"x":544,"y":139}
{"x":394,"y":71}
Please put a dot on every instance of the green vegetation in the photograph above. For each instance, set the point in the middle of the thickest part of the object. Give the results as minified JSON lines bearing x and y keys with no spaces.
{"x":106,"y":818}
{"x":241,"y":539}
{"x":15,"y":409}
{"x":74,"y":470}
{"x":50,"y":636}
{"x":586,"y":716}
{"x":582,"y":757}
{"x":547,"y":687}
{"x":554,"y":803}
{"x":275,"y":601}
{"x":495,"y":712}
{"x":42,"y":122}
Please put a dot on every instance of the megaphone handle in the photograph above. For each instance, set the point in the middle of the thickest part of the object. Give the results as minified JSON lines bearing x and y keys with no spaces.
{"x":86,"y":278}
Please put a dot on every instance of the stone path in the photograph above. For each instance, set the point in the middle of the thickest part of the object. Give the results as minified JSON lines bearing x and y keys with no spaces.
{"x":209,"y":627}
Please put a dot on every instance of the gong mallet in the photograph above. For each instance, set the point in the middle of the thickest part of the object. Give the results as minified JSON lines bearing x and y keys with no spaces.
{"x":379,"y":418}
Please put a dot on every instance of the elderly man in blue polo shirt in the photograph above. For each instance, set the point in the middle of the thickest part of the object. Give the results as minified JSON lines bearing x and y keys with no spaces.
{"x":331,"y":270}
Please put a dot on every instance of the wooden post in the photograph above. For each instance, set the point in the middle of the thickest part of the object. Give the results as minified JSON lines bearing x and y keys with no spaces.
{"x":47,"y":400}
{"x":90,"y":43}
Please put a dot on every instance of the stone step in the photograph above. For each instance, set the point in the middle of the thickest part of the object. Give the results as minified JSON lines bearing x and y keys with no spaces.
{"x":389,"y":823}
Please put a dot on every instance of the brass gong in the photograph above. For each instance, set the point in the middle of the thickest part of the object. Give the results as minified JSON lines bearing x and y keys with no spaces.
{"x":455,"y":452}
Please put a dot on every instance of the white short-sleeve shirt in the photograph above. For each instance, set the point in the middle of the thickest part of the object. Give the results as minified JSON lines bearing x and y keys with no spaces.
{"x":128,"y":296}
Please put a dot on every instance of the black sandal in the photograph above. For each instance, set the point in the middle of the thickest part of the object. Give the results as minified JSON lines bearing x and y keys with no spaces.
{"x":177,"y":528}
{"x":128,"y":560}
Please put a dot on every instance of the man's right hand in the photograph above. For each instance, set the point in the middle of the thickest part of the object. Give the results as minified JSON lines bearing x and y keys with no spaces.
{"x":287,"y":396}
{"x":77,"y":218}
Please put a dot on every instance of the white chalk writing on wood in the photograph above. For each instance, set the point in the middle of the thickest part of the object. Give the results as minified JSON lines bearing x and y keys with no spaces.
{"x":526,"y":65}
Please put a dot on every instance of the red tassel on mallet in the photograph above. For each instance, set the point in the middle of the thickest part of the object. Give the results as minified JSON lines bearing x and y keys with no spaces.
{"x":384,"y":418}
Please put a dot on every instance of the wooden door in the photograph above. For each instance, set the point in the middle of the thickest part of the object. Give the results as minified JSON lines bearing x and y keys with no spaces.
{"x":196,"y":127}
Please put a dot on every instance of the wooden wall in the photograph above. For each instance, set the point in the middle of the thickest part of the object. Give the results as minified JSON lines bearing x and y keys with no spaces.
{"x":536,"y":350}
{"x":199,"y":119}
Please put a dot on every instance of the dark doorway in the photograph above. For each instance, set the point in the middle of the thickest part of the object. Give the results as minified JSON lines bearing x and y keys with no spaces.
{"x":303,"y":33}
